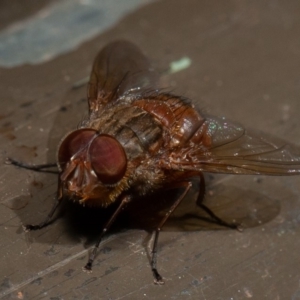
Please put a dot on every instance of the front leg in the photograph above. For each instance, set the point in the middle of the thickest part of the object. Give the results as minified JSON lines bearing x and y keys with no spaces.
{"x":46,"y":222}
{"x":88,"y":267}
{"x":186,"y":185}
{"x":37,"y":168}
{"x":49,"y":218}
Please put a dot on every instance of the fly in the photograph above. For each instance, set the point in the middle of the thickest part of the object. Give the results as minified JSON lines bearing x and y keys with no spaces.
{"x":138,"y":139}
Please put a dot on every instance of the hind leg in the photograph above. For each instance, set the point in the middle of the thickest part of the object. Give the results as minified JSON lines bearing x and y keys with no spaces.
{"x":218,"y":220}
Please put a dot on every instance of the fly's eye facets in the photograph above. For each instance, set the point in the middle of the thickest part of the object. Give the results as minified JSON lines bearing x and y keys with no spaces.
{"x":74,"y":143}
{"x":108,"y":159}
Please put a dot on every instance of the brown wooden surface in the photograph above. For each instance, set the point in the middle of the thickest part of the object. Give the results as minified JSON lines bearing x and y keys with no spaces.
{"x":245,"y":66}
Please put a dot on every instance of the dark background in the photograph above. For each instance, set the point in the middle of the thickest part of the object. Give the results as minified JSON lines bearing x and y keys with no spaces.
{"x":245,"y":66}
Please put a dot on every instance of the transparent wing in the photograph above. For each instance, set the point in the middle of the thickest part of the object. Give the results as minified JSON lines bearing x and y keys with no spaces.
{"x":120,"y":68}
{"x":232,"y":149}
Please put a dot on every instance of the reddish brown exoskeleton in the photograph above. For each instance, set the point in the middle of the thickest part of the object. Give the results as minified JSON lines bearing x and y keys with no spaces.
{"x":139,"y":139}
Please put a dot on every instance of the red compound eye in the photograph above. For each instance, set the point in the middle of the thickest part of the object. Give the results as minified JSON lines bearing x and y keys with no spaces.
{"x":74,"y":143}
{"x":108,"y":159}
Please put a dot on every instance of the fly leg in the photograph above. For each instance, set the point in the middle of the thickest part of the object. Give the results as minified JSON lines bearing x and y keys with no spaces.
{"x":186,"y":185}
{"x":40,"y":168}
{"x":45,"y":223}
{"x":124,"y":202}
{"x":48,"y":219}
{"x":37,"y":168}
{"x":209,"y":211}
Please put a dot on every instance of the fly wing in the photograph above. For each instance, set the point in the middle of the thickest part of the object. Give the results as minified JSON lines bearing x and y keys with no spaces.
{"x":234,"y":150}
{"x":120,"y":69}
